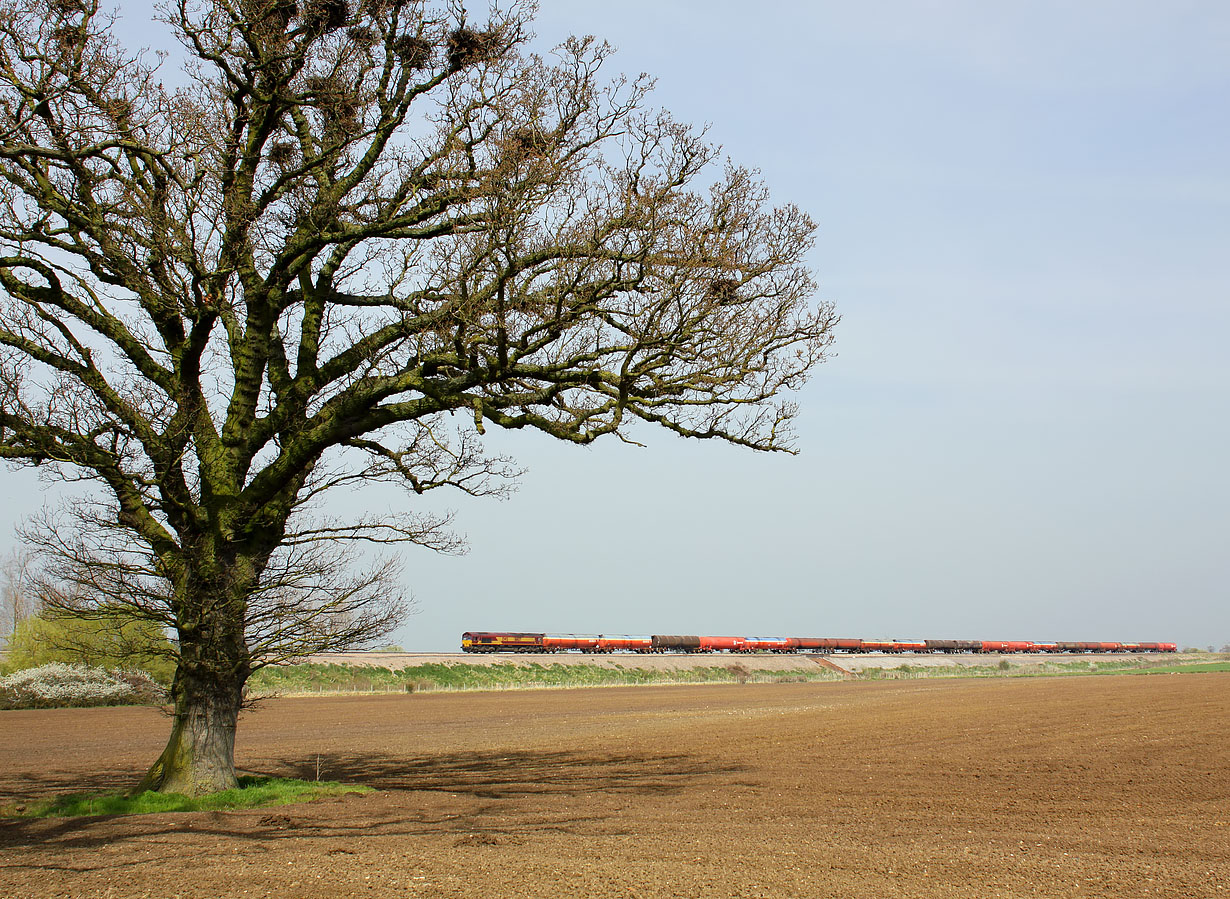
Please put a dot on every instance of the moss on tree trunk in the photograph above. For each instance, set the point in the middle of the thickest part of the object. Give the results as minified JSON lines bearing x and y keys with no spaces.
{"x":199,"y":757}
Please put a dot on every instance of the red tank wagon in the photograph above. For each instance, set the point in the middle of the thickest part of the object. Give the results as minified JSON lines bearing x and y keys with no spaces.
{"x":769,"y":644}
{"x":723,"y":644}
{"x":625,"y":643}
{"x":888,"y":646}
{"x":814,"y":644}
{"x":566,"y":642}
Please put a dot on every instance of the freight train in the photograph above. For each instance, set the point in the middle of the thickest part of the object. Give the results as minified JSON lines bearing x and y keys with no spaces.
{"x":491,"y":641}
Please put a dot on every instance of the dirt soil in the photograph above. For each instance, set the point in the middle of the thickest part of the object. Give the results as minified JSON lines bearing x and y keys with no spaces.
{"x":1077,"y":787}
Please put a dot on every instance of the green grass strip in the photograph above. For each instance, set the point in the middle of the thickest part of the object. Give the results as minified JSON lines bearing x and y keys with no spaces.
{"x":332,"y":678}
{"x":253,"y":792}
{"x":1184,"y":669}
{"x":309,"y":678}
{"x":1084,"y":668}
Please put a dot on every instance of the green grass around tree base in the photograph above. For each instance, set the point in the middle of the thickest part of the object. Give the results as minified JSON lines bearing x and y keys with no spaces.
{"x":253,"y":792}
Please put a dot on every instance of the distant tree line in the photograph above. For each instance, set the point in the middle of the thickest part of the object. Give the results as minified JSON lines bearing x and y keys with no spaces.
{"x":33,"y":634}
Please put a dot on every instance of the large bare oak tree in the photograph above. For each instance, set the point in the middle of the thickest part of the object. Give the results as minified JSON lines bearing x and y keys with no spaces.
{"x":332,"y":247}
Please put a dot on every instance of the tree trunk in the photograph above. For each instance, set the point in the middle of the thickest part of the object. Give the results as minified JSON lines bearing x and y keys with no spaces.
{"x":200,"y":756}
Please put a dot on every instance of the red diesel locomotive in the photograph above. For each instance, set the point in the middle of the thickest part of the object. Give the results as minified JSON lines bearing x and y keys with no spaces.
{"x":492,"y":641}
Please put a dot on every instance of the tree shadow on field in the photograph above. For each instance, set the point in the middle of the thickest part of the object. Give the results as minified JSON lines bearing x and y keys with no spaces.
{"x":17,"y":788}
{"x":501,"y":774}
{"x":474,"y":798}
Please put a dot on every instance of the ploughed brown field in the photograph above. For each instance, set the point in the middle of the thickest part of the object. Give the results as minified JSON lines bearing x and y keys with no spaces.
{"x":1101,"y":786}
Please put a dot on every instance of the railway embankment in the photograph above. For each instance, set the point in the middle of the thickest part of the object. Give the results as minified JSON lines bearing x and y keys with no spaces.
{"x":853,"y":662}
{"x":381,"y":672}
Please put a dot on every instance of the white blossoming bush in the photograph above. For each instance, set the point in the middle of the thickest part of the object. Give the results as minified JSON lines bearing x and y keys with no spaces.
{"x":59,"y":685}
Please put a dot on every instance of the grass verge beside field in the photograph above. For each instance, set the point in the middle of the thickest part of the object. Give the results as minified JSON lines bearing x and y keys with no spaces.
{"x":1007,"y":669}
{"x":317,"y":678}
{"x":1185,"y":669}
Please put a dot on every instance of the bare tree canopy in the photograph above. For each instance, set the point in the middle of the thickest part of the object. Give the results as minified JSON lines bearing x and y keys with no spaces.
{"x":358,"y":234}
{"x":17,"y":596}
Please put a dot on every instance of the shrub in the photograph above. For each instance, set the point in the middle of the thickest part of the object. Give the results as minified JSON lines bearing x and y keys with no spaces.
{"x":110,"y":641}
{"x":739,"y":673}
{"x":59,"y":685}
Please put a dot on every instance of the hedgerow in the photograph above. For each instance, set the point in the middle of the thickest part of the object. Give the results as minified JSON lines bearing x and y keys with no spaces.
{"x":61,"y":685}
{"x":334,"y":678}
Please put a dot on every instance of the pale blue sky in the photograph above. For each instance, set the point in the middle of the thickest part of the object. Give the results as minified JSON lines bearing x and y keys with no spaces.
{"x":1024,"y":215}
